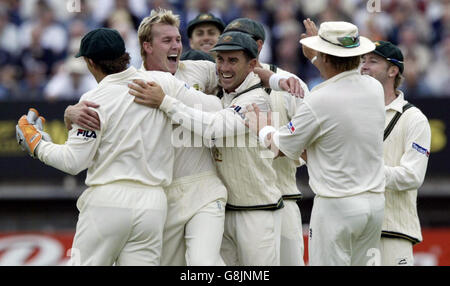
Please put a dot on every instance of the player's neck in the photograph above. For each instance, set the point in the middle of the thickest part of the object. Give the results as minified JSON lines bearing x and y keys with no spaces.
{"x":389,"y":94}
{"x":99,"y":76}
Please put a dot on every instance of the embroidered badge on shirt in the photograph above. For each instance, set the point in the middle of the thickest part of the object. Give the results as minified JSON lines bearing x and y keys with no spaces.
{"x":420,"y":149}
{"x":291,"y":127}
{"x":238,"y":110}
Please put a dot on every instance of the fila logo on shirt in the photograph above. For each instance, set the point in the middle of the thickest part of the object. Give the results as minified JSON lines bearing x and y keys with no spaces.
{"x":291,"y":127}
{"x":420,"y":149}
{"x":86,"y":133}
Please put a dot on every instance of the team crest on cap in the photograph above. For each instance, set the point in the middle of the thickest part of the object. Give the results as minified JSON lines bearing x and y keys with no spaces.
{"x":234,"y":25}
{"x":205,"y":17}
{"x":227,"y":39}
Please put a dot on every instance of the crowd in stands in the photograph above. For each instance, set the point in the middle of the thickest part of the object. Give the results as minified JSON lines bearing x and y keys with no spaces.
{"x":38,"y":38}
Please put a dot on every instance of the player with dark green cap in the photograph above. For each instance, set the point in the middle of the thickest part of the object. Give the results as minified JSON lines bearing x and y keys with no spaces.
{"x":407,"y":140}
{"x":129,"y":159}
{"x":292,"y":246}
{"x":253,"y":197}
{"x":203,"y":31}
{"x":102,"y":44}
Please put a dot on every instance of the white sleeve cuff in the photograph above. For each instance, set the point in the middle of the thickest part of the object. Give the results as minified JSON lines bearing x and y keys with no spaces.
{"x":264,"y":132}
{"x":274,"y":81}
{"x":167,"y":103}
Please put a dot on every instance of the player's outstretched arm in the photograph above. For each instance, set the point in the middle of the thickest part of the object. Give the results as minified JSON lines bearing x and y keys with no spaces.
{"x":280,"y":83}
{"x":72,"y":157}
{"x":181,"y":107}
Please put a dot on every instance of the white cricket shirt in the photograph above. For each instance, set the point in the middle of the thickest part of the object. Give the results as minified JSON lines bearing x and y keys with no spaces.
{"x":192,"y":157}
{"x":242,"y":162}
{"x":341,"y":125}
{"x":406,"y":154}
{"x":134,"y":143}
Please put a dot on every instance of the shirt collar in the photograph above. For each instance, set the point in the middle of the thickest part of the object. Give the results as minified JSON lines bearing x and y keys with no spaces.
{"x":397,"y":104}
{"x":250,"y":80}
{"x":336,"y":78}
{"x":118,"y":76}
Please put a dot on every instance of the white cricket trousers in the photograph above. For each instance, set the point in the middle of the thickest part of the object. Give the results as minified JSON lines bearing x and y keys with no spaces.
{"x":195,"y":221}
{"x":252,"y":238}
{"x":119,"y":224}
{"x":346,"y":231}
{"x":396,"y":252}
{"x":291,"y":244}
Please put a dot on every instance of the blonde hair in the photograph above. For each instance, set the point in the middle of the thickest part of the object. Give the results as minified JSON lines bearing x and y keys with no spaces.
{"x":159,"y":16}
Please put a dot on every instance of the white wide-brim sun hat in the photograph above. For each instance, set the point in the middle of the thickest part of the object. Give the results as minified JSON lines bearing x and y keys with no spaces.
{"x":339,"y":39}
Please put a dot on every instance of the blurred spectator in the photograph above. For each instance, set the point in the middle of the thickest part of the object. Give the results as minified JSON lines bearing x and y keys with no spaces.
{"x":121,"y":21}
{"x":375,"y":26}
{"x":77,"y":30}
{"x":9,"y":86}
{"x":251,"y":10}
{"x":72,"y":80}
{"x":195,"y":7}
{"x":102,"y":9}
{"x":406,"y":12}
{"x":336,"y":10}
{"x":439,"y":16}
{"x":43,"y":37}
{"x":37,"y":55}
{"x":42,"y":34}
{"x":31,"y":87}
{"x":85,"y":15}
{"x":28,"y":8}
{"x":9,"y":41}
{"x":288,"y":47}
{"x":438,"y":76}
{"x":13,"y":9}
{"x":413,"y":49}
{"x":414,"y":85}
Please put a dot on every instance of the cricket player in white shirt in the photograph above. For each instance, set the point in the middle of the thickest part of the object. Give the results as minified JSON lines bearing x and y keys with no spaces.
{"x":406,"y":152}
{"x":129,"y":160}
{"x":197,"y":196}
{"x":122,"y":213}
{"x":253,"y":197}
{"x":285,"y":105}
{"x":345,"y":156}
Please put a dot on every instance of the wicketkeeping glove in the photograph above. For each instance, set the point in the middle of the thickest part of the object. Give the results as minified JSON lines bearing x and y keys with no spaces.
{"x":28,"y":135}
{"x":39,"y":124}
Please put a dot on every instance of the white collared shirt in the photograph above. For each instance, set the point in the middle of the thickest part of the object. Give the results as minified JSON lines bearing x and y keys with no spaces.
{"x":191,"y":155}
{"x":134,"y":143}
{"x":246,"y":172}
{"x":341,"y":125}
{"x":406,"y":154}
{"x":406,"y":163}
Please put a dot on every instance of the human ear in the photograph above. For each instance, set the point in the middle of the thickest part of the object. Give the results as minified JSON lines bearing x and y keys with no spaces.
{"x":393,"y":71}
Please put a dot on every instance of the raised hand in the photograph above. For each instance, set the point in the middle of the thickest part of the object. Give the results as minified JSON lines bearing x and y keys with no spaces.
{"x":311,"y":30}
